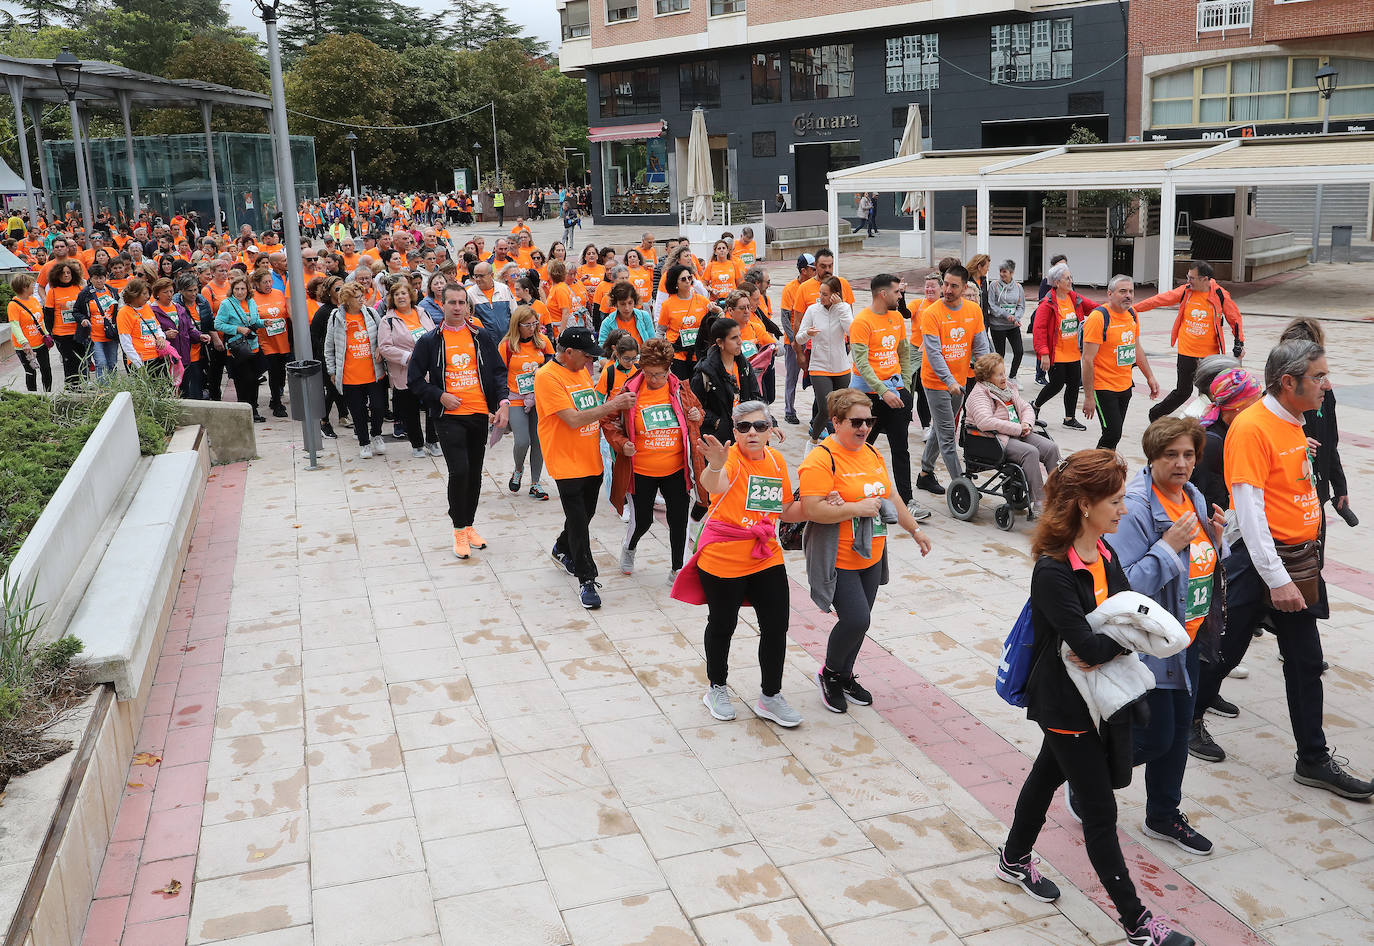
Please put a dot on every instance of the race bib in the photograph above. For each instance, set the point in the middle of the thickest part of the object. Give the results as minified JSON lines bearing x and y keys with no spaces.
{"x":1125,"y":356}
{"x":1068,"y":327}
{"x":879,"y":527}
{"x":688,"y":337}
{"x":69,"y":313}
{"x":1012,"y":414}
{"x":275,"y":326}
{"x":524,"y":384}
{"x":585,"y":399}
{"x":748,"y":349}
{"x":746,"y":258}
{"x":1199,"y":597}
{"x":764,"y":494}
{"x":658,"y":417}
{"x":415,"y":333}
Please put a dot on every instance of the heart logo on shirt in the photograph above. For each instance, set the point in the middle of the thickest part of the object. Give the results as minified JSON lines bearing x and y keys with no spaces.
{"x":461,"y":360}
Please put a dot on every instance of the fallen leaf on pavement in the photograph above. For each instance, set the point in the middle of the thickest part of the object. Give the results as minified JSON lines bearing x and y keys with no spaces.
{"x":171,"y":890}
{"x":146,"y":758}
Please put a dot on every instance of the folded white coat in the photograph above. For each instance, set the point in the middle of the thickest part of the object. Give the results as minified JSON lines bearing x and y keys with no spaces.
{"x":1139,"y":624}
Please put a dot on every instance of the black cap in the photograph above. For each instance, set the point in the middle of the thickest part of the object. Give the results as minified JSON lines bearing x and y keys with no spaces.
{"x":580,"y":339}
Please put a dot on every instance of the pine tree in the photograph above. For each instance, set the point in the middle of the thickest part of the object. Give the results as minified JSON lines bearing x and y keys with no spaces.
{"x":475,"y":23}
{"x":41,"y":14}
{"x":302,"y":22}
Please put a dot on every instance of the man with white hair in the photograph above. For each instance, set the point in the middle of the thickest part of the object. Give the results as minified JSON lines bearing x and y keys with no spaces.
{"x":1111,"y":352}
{"x":492,"y":302}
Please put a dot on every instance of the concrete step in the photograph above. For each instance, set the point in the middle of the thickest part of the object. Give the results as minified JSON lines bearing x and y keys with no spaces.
{"x":791,"y":249}
{"x":801,"y":233}
{"x":1275,"y":241}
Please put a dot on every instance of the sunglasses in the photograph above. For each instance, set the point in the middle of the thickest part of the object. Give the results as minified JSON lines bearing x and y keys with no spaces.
{"x":758,"y":426}
{"x":859,"y":422}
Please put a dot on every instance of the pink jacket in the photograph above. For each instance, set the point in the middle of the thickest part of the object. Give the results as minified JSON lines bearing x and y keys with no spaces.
{"x":687,"y":587}
{"x":988,"y":413}
{"x":395,"y":343}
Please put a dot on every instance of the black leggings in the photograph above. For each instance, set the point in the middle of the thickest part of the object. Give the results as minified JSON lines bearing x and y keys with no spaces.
{"x":674,"y":490}
{"x":895,"y":421}
{"x":1111,"y":414}
{"x":74,"y":358}
{"x":365,"y":403}
{"x":1082,"y":760}
{"x":333,"y":397}
{"x":822,"y":385}
{"x":463,"y":439}
{"x":1067,"y":375}
{"x":246,"y":370}
{"x":1244,"y":609}
{"x":769,"y":595}
{"x":578,"y":496}
{"x":36,"y":361}
{"x":1000,"y":339}
{"x":407,"y":410}
{"x":1183,"y":388}
{"x":855,"y":592}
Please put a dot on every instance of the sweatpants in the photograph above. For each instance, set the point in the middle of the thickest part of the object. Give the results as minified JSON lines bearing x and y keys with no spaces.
{"x":463,"y":440}
{"x":1183,"y":388}
{"x":578,"y":496}
{"x":1001,"y":338}
{"x":1111,"y":414}
{"x":673,"y":488}
{"x":1030,"y":454}
{"x":1066,"y":376}
{"x":896,"y":423}
{"x":855,"y":592}
{"x":821,"y":387}
{"x":943,"y":439}
{"x":768,"y":594}
{"x":524,"y":427}
{"x":366,"y":403}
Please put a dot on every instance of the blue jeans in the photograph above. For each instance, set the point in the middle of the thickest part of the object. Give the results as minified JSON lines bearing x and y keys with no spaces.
{"x":107,"y":357}
{"x":1162,"y":744}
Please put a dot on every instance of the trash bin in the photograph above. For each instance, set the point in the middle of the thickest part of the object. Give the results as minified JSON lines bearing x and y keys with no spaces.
{"x":1340,"y":237}
{"x":305,"y":379}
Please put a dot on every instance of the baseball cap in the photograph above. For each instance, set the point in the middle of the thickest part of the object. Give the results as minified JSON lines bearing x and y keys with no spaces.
{"x":579,"y":338}
{"x":805,"y":260}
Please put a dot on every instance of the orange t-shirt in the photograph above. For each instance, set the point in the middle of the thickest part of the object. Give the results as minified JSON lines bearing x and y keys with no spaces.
{"x":358,"y":365}
{"x":649,"y":256}
{"x":681,"y":318}
{"x":521,"y":365}
{"x":1267,"y":451}
{"x":1098,"y":570}
{"x":743,"y":253}
{"x":857,"y":475}
{"x":809,"y":291}
{"x":619,"y":377}
{"x":215,"y":295}
{"x":1066,"y":344}
{"x":460,"y":371}
{"x":601,"y":299}
{"x":1202,"y":564}
{"x":1196,"y":336}
{"x":62,"y":300}
{"x":1116,"y":341}
{"x":657,"y":433}
{"x":101,"y":305}
{"x":29,"y":317}
{"x":881,"y":333}
{"x":564,"y":299}
{"x":956,"y":330}
{"x":754,"y":337}
{"x":590,"y":275}
{"x":631,"y":325}
{"x":141,"y":327}
{"x":642,"y":280}
{"x":272,"y":311}
{"x":721,"y":278}
{"x":758,"y":491}
{"x":569,"y":452}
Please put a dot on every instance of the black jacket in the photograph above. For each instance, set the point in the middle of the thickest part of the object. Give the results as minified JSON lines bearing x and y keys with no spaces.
{"x":1209,"y":475}
{"x":1061,"y":597}
{"x":425,"y":373}
{"x":716,"y":391}
{"x":1320,"y":425}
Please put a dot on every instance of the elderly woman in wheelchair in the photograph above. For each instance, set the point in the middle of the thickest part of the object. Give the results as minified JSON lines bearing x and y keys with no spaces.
{"x":1001,"y":433}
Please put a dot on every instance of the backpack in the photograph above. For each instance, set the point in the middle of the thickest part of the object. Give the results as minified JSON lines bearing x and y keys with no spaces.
{"x":1018,"y":656}
{"x":1106,"y":320}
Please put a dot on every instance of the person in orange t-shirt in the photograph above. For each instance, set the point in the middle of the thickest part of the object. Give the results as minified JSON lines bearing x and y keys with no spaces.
{"x":738,"y":557}
{"x":275,"y":336}
{"x":953,"y":338}
{"x":722,"y":274}
{"x":1057,"y":325}
{"x":61,"y":318}
{"x":640,"y":273}
{"x":570,"y":433}
{"x":1111,"y":350}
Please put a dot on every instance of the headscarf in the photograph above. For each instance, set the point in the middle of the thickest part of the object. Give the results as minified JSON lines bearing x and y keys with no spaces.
{"x":1231,"y":389}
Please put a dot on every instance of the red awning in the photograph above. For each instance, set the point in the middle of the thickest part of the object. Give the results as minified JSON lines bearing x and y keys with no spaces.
{"x":626,"y":132}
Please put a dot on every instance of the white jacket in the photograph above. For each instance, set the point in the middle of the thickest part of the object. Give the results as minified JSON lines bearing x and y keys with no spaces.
{"x":828,"y":352}
{"x":1139,"y":624}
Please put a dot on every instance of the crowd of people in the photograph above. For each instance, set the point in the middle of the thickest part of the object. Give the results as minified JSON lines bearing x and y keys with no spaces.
{"x":648,"y":374}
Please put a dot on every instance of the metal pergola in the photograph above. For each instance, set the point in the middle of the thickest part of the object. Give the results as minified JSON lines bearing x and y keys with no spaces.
{"x":84,"y":84}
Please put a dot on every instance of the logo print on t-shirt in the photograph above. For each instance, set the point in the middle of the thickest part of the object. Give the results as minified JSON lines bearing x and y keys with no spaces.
{"x":461,"y":360}
{"x":889,"y":341}
{"x":956,"y":334}
{"x":1127,"y":337}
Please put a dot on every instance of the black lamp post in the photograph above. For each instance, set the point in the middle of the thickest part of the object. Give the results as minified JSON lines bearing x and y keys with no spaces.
{"x":352,"y":140}
{"x":1326,"y":87}
{"x":68,"y":69}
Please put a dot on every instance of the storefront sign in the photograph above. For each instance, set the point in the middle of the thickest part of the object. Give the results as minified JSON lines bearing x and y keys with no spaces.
{"x":1252,"y":131}
{"x":822,"y":125}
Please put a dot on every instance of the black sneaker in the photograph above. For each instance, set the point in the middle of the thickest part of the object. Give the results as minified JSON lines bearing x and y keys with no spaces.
{"x":855,"y":693}
{"x":514,"y":484}
{"x":792,"y":418}
{"x":258,"y":418}
{"x":1152,"y":930}
{"x":1073,"y":423}
{"x":1176,"y":828}
{"x":278,"y":410}
{"x":564,"y":559}
{"x":1330,"y":776}
{"x":590,"y":599}
{"x":930,"y":484}
{"x":1027,"y":876}
{"x":1223,"y":707}
{"x":832,"y":691}
{"x":327,"y":431}
{"x":1202,"y":746}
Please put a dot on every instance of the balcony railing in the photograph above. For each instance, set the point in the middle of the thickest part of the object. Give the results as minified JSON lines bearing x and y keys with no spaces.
{"x":1215,"y":16}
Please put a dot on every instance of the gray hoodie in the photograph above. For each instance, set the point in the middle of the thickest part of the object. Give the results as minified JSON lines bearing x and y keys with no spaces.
{"x":821,"y":544}
{"x":1006,"y":304}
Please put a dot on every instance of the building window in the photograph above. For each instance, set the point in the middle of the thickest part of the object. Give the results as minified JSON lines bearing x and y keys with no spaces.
{"x":1274,"y":88}
{"x":634,"y":176}
{"x":575,"y":19}
{"x":621,"y":11}
{"x":913,"y":63}
{"x":671,"y":6}
{"x":699,"y":84}
{"x":629,"y":92}
{"x":767,"y":78}
{"x":822,"y":72}
{"x":1032,"y":52}
{"x":765,"y":144}
{"x":722,"y":7}
{"x":1223,"y":15}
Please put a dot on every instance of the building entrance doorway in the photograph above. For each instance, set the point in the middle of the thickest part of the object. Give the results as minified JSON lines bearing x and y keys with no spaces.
{"x":813,"y":162}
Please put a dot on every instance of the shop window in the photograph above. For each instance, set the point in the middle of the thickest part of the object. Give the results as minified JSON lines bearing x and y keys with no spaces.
{"x":1032,"y":52}
{"x":722,"y":7}
{"x":913,"y":62}
{"x":767,"y":78}
{"x":621,"y":11}
{"x":822,"y":72}
{"x":671,"y":6}
{"x":1267,"y":89}
{"x":575,"y":19}
{"x":765,"y":144}
{"x":635,"y":176}
{"x":629,"y":92}
{"x":699,"y":84}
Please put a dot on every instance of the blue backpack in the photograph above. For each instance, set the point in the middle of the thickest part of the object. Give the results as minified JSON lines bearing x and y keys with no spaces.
{"x":1018,"y":655}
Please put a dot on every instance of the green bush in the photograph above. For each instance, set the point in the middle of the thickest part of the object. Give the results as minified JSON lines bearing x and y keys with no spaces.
{"x":11,"y":701}
{"x":58,"y":654}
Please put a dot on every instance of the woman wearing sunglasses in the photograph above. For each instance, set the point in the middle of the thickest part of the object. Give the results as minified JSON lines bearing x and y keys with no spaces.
{"x":723,"y":378}
{"x":845,"y":543}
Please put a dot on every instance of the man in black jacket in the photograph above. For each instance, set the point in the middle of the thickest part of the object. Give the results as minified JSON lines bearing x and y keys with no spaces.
{"x":456,"y":373}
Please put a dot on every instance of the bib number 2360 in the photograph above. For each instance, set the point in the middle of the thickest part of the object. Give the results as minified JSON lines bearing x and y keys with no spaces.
{"x":764,"y":494}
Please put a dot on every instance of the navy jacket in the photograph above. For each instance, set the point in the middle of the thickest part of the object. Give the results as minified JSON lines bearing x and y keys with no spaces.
{"x":425,"y":373}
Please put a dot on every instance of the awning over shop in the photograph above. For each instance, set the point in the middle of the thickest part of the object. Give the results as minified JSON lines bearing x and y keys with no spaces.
{"x":626,"y":132}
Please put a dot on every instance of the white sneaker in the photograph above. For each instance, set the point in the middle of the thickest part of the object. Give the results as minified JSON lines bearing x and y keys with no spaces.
{"x":778,"y":710}
{"x":365,"y":452}
{"x":1240,"y":672}
{"x":378,"y":447}
{"x":625,"y":516}
{"x":433,"y":450}
{"x":417,"y":452}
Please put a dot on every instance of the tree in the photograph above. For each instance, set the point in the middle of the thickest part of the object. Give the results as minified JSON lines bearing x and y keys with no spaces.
{"x":479,"y":22}
{"x":302,"y":22}
{"x":38,"y":15}
{"x":223,"y":58}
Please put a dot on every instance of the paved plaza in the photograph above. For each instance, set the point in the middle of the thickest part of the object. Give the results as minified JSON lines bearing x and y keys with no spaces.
{"x":366,"y":742}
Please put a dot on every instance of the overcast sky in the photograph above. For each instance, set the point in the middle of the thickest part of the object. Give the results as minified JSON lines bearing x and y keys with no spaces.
{"x":537,"y":18}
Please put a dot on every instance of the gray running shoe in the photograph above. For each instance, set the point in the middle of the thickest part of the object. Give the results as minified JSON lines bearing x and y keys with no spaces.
{"x":627,"y":560}
{"x":918,"y":512}
{"x":778,"y":710}
{"x":717,"y":700}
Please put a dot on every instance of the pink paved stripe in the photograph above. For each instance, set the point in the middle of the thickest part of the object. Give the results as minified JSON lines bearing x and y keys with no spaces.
{"x":992,"y":770}
{"x":157,"y":831}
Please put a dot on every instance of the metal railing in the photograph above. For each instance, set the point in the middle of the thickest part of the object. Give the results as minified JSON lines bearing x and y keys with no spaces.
{"x":1222,"y":15}
{"x":729,"y":213}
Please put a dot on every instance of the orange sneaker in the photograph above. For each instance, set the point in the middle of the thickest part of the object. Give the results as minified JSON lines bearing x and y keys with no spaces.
{"x":475,"y":540}
{"x":461,"y":547}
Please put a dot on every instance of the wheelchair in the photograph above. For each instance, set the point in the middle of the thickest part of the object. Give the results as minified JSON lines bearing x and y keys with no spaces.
{"x":989,"y":472}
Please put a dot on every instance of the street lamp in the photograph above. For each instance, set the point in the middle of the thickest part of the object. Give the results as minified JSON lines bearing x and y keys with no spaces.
{"x":1326,"y":87}
{"x":352,"y":140}
{"x":68,"y":69}
{"x":286,"y":200}
{"x":477,"y":157}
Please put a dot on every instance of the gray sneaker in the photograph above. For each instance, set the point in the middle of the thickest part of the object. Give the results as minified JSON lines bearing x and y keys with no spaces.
{"x":433,"y":450}
{"x":918,"y":512}
{"x":672,"y":576}
{"x":627,"y":560}
{"x":717,"y":700}
{"x":417,"y":452}
{"x":778,"y":710}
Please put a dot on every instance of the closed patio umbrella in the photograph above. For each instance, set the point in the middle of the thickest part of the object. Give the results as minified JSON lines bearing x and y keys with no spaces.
{"x":911,"y":144}
{"x":700,"y":184}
